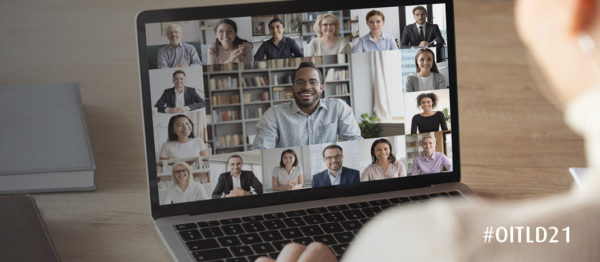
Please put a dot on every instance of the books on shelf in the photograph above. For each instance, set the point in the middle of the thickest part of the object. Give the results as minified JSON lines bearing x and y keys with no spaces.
{"x":221,"y":83}
{"x":225,"y":99}
{"x":294,"y":62}
{"x":250,"y":113}
{"x":340,"y":88}
{"x":282,"y":93}
{"x":336,"y":74}
{"x":226,"y":115}
{"x":221,"y":67}
{"x":228,"y":140}
{"x":255,"y":81}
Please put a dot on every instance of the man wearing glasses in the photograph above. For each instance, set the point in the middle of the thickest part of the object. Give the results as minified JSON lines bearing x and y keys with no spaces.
{"x":308,"y":119}
{"x":335,"y":174}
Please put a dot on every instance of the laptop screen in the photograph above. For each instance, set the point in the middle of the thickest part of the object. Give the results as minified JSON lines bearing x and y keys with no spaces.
{"x":249,"y":105}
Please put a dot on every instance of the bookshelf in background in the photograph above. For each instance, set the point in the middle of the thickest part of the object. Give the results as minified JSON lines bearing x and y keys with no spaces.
{"x":241,"y":93}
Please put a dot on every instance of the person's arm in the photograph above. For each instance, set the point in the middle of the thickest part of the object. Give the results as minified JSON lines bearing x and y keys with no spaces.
{"x":267,"y":132}
{"x":295,"y":49}
{"x":212,"y":55}
{"x":200,"y":192}
{"x":257,"y":185}
{"x":440,"y":81}
{"x":446,"y":162}
{"x":161,"y":58}
{"x":405,"y":39}
{"x":161,"y":104}
{"x":247,"y":53}
{"x":402,"y":172}
{"x":300,"y":181}
{"x":415,"y":167}
{"x":163,"y":154}
{"x":219,"y":188}
{"x":347,"y":127}
{"x":276,"y":186}
{"x":443,"y":120}
{"x":439,"y":40}
{"x":409,"y":85}
{"x":194,"y":56}
{"x":196,"y":101}
{"x":347,"y":48}
{"x":315,"y":183}
{"x":260,"y":53}
{"x":359,"y":47}
{"x":413,"y":125}
{"x":392,"y":43}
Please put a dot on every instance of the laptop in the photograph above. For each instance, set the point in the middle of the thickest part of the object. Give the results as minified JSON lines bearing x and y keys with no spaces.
{"x":267,"y":123}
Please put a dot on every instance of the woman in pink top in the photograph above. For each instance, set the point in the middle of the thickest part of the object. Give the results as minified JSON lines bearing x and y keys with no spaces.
{"x":228,"y":47}
{"x":384,"y":165}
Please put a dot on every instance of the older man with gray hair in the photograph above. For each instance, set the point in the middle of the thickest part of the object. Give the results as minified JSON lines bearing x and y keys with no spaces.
{"x":177,"y":53}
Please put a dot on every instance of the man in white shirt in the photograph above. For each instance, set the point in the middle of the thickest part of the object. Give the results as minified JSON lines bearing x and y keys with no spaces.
{"x":563,"y":37}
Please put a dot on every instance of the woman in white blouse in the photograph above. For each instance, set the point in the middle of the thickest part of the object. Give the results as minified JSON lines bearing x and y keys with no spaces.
{"x":182,"y":143}
{"x":183,"y":187}
{"x":328,"y":40}
{"x":384,"y":165}
{"x":288,"y":175}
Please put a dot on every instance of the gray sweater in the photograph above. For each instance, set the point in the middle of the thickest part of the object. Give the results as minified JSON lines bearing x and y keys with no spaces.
{"x":412,"y":83}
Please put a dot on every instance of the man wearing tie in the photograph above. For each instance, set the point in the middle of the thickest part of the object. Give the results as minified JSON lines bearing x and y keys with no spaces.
{"x":421,"y":33}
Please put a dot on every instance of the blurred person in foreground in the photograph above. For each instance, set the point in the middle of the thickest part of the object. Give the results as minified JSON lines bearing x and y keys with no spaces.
{"x":564,"y":39}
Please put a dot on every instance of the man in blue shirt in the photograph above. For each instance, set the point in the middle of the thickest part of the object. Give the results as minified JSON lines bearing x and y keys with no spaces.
{"x":278,"y":46}
{"x":308,"y":119}
{"x":335,"y":174}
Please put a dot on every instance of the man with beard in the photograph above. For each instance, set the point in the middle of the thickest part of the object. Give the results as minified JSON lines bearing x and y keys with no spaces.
{"x":308,"y":119}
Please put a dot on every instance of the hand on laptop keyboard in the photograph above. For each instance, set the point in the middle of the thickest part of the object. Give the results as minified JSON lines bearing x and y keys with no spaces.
{"x":315,"y":251}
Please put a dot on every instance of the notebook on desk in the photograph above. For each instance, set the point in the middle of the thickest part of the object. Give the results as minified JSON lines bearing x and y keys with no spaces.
{"x":263,"y":122}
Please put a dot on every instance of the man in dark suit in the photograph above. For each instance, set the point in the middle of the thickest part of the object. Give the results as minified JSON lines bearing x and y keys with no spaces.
{"x":335,"y":174}
{"x":236,"y":182}
{"x":180,"y":98}
{"x":421,"y":33}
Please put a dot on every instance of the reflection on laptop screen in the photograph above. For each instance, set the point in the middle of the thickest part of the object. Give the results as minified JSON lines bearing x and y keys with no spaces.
{"x":263,"y":104}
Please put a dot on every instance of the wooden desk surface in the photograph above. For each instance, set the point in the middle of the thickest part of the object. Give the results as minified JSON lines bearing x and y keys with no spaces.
{"x":514,"y":143}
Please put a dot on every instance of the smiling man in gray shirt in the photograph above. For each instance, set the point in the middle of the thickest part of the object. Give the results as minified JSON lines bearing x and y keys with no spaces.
{"x":308,"y":119}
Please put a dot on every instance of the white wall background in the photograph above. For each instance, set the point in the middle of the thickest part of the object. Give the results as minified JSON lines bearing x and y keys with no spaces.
{"x":362,"y":85}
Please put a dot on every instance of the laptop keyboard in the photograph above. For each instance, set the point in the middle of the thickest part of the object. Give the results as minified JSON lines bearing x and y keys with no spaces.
{"x":250,"y":237}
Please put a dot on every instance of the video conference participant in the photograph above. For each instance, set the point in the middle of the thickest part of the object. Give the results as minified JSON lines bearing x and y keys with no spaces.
{"x":429,"y":120}
{"x":428,"y":76}
{"x":183,"y":187}
{"x":179,"y":98}
{"x":308,"y":119}
{"x":182,"y":143}
{"x":176,"y":53}
{"x":278,"y":46}
{"x":228,"y":47}
{"x":288,"y":175}
{"x":236,"y":182}
{"x":384,"y":165}
{"x":376,"y":39}
{"x":335,"y":174}
{"x":430,"y":161}
{"x":421,"y":33}
{"x":328,"y":40}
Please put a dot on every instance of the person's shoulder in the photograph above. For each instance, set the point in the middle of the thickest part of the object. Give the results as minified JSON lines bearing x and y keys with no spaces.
{"x":223,"y":175}
{"x":247,"y":44}
{"x":440,"y":114}
{"x":320,"y":174}
{"x":348,"y":170}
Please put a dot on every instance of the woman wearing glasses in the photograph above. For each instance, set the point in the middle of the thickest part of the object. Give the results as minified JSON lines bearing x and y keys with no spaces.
{"x":329,"y":41}
{"x":384,"y":165}
{"x":183,"y":187}
{"x":228,"y":47}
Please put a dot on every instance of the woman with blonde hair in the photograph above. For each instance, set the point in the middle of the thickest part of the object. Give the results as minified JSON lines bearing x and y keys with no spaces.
{"x":328,"y":40}
{"x":183,"y":187}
